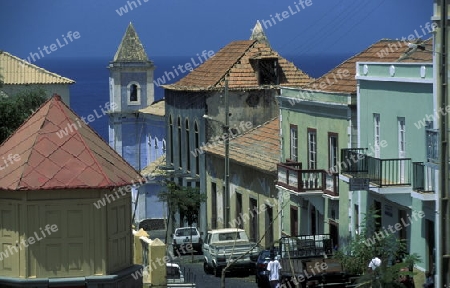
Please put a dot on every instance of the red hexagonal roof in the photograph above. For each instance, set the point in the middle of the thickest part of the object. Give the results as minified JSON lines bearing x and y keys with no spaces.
{"x":54,"y":149}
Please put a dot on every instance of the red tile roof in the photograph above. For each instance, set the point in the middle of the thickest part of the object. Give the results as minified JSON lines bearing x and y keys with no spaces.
{"x":258,"y":148}
{"x":80,"y":159}
{"x":341,"y":79}
{"x":235,"y":60}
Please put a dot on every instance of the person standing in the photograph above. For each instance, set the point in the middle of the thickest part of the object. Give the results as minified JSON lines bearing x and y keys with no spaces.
{"x":274,"y":268}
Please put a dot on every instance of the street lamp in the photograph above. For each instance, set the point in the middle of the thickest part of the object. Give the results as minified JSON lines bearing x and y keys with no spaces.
{"x":226,"y":127}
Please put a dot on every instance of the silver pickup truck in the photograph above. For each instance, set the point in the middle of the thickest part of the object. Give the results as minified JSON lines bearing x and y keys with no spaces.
{"x":224,"y":245}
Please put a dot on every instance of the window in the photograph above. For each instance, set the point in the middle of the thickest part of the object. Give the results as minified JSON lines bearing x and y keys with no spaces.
{"x":133,"y":93}
{"x":312,"y":149}
{"x":269,"y":220}
{"x":268,"y":71}
{"x":197,"y":146}
{"x":294,"y":221}
{"x":401,"y":146}
{"x":239,"y":210}
{"x":401,"y":138}
{"x":253,"y":220}
{"x":333,"y":150}
{"x":171,"y":146}
{"x":294,"y":143}
{"x":180,"y":162}
{"x":213,"y":205}
{"x":376,"y":124}
{"x":188,"y":148}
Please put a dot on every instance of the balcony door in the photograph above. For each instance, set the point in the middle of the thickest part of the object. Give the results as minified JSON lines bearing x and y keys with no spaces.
{"x":401,"y":147}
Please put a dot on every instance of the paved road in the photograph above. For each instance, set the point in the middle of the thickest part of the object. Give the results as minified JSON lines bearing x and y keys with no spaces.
{"x":193,"y":272}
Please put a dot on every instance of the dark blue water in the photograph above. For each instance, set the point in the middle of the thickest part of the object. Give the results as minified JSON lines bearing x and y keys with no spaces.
{"x":91,"y":89}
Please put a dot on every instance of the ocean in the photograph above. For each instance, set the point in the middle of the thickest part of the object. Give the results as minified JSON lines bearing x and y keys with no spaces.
{"x":91,"y":76}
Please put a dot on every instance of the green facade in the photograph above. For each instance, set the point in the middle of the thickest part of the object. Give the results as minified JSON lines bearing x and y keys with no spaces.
{"x":328,"y":114}
{"x":396,"y":99}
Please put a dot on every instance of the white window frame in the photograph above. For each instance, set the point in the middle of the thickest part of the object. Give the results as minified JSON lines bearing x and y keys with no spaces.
{"x":293,"y":134}
{"x":401,"y":125}
{"x":312,"y":149}
{"x":138,"y":101}
{"x":376,"y":134}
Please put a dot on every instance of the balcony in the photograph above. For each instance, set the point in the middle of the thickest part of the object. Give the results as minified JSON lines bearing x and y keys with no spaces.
{"x":381,"y":172}
{"x":291,"y":176}
{"x":422,"y":178}
{"x":432,"y":145}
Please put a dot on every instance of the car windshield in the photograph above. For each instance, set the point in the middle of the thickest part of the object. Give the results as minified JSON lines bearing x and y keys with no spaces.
{"x":186,"y":232}
{"x":265,"y":255}
{"x":232,"y":236}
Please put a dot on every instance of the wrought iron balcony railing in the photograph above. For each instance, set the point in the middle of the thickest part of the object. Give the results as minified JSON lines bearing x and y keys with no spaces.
{"x":381,"y":172}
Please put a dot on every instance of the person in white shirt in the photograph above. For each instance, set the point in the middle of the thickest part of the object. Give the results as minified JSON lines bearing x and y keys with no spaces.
{"x":375,"y":263}
{"x":274,"y":271}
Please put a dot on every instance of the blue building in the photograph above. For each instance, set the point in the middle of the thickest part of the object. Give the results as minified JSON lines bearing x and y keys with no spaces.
{"x":136,"y":122}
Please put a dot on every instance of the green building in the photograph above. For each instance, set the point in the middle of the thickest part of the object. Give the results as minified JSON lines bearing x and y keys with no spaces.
{"x":395,"y":151}
{"x":321,"y":122}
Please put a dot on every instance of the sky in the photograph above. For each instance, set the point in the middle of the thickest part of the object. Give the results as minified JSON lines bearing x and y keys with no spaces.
{"x":187,"y":27}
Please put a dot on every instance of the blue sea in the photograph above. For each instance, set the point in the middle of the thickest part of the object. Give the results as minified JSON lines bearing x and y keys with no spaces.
{"x":92,"y":77}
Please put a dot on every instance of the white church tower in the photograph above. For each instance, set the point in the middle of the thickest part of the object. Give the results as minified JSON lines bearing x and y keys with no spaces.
{"x":131,"y":88}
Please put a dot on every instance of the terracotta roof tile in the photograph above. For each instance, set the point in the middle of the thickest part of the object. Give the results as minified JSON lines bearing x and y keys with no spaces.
{"x":385,"y":50}
{"x":235,"y":60}
{"x":259,"y":147}
{"x":16,"y":71}
{"x":79,"y":159}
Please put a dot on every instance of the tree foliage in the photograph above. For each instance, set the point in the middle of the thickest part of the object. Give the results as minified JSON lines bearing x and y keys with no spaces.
{"x":16,"y":109}
{"x":184,"y":200}
{"x":359,"y":251}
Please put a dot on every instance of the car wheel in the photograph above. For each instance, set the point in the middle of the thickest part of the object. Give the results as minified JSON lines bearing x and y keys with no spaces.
{"x":217,"y":271}
{"x":206,"y":268}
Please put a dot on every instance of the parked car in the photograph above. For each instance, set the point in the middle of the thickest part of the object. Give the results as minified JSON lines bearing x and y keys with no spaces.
{"x":174,"y":274}
{"x":261,"y":273}
{"x":184,"y":236}
{"x":223,"y":245}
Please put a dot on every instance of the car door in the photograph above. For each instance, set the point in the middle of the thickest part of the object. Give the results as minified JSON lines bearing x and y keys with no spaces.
{"x":206,"y":248}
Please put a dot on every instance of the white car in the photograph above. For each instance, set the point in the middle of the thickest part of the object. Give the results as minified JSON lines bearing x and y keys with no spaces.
{"x":184,"y":236}
{"x":174,"y":274}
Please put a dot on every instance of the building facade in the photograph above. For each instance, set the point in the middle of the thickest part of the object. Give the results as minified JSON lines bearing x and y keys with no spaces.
{"x":196,"y":106}
{"x":313,"y":130}
{"x":395,"y":148}
{"x":253,"y":199}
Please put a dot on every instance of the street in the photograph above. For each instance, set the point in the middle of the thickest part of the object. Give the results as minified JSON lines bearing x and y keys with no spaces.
{"x":193,"y":272}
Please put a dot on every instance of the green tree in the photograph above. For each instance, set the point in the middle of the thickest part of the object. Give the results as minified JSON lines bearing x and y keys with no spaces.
{"x":16,"y":109}
{"x":184,"y":200}
{"x":361,"y":249}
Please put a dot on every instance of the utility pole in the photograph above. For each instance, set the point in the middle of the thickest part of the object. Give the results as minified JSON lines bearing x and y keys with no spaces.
{"x":226,"y":127}
{"x":443,"y":209}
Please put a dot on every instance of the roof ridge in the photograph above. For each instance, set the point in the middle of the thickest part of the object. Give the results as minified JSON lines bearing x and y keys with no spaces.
{"x":256,"y":127}
{"x":25,"y":62}
{"x":36,"y":134}
{"x":77,"y":132}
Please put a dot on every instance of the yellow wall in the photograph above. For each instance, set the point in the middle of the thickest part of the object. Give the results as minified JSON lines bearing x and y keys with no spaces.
{"x":84,"y":240}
